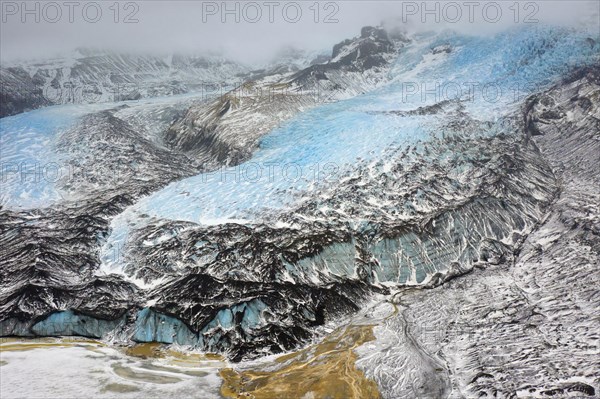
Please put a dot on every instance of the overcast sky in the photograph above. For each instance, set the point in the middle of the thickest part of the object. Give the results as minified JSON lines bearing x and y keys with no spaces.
{"x":250,"y":32}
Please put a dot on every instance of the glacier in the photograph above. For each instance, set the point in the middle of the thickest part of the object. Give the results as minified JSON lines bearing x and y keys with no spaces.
{"x":436,"y":201}
{"x":325,"y":142}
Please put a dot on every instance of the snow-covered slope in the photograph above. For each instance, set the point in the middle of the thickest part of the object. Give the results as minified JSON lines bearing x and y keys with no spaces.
{"x":526,"y":326}
{"x":94,"y":76}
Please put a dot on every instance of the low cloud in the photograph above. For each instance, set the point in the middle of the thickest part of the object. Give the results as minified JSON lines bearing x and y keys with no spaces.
{"x":250,"y":32}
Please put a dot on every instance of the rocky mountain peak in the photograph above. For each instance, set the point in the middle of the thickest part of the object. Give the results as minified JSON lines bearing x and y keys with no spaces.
{"x":364,"y":52}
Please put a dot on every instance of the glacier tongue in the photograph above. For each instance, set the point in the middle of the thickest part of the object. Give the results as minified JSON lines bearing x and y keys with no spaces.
{"x":440,"y":192}
{"x":322,"y":145}
{"x":55,"y":153}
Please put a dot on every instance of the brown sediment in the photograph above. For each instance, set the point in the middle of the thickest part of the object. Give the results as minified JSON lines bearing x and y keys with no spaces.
{"x":324,"y":370}
{"x":152,"y":350}
{"x":145,"y":350}
{"x":24,"y":344}
{"x":197,"y":359}
{"x":156,"y":350}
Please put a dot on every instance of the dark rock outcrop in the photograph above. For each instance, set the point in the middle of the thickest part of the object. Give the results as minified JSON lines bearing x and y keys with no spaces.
{"x":19,"y":92}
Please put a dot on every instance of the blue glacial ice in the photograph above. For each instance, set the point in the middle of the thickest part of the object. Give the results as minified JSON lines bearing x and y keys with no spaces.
{"x":30,"y":163}
{"x":152,"y":326}
{"x":494,"y":75}
{"x":69,"y":323}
